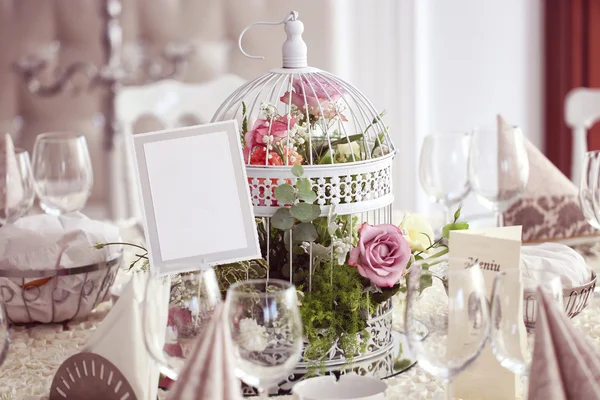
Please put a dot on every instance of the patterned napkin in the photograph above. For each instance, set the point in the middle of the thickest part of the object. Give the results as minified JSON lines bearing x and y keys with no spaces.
{"x":208,"y":373}
{"x":565,"y":364}
{"x":9,"y":168}
{"x":549,"y":209}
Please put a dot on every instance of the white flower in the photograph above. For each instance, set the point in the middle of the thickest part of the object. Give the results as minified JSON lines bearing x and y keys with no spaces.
{"x":252,"y":336}
{"x":419,"y":232}
{"x":341,"y":247}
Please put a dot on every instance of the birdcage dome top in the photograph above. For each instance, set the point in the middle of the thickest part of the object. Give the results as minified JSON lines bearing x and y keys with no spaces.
{"x":302,"y":115}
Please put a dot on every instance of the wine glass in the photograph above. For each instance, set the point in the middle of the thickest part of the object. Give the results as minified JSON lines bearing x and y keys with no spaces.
{"x":62,"y":172}
{"x":443,"y":169}
{"x":24,"y":166}
{"x":446,"y":333}
{"x":498,"y":168}
{"x":12,"y":189}
{"x":587,"y":183}
{"x":513,"y":322}
{"x":176,"y":311}
{"x":266,"y":331}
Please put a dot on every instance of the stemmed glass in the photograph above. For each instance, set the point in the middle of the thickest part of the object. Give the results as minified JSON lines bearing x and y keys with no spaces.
{"x":62,"y":171}
{"x":447,"y":333}
{"x":24,"y":165}
{"x":512,"y":339}
{"x":176,"y":311}
{"x":266,"y":331}
{"x":443,"y":169}
{"x":587,"y":185}
{"x":498,"y":168}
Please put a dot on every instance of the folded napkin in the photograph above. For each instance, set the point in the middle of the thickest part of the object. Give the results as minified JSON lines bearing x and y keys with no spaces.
{"x":549,"y":209}
{"x":120,"y":337}
{"x":11,"y":186}
{"x":565,"y":364}
{"x":553,"y":257}
{"x":45,"y":242}
{"x":209,"y":371}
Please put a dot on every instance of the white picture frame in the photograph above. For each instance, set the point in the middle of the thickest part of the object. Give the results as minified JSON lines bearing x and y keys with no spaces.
{"x":195,"y":198}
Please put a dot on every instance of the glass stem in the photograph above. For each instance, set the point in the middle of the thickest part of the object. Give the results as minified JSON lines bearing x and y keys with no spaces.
{"x":499,"y":219}
{"x":525,"y":389}
{"x":448,"y":393}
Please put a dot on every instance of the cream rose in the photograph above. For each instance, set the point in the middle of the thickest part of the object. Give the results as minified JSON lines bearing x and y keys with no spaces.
{"x":417,"y":231}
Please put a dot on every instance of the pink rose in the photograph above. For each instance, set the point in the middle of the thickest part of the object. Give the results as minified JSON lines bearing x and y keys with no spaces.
{"x":278,"y":128}
{"x":381,"y":255}
{"x":319,"y":92}
{"x":179,"y":318}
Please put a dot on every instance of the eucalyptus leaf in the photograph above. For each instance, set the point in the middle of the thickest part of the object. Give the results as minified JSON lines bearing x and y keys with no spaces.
{"x":285,"y":194}
{"x":282,"y":219}
{"x":304,"y":232}
{"x":297,"y":170}
{"x":305,"y":192}
{"x":305,"y":212}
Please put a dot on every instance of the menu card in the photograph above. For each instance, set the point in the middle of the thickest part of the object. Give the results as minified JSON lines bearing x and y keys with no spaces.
{"x":495,"y":249}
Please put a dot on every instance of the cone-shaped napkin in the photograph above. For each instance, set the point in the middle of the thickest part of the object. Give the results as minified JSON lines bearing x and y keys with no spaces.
{"x":549,"y":209}
{"x":565,"y":364}
{"x":120,"y":338}
{"x":209,"y":371}
{"x":10,"y":175}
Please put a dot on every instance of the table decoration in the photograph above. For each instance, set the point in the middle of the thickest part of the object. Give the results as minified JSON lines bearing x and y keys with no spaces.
{"x":49,"y":270}
{"x":495,"y":250}
{"x":565,"y":364}
{"x":24,"y":163}
{"x":348,"y":387}
{"x":318,"y":158}
{"x":209,"y":373}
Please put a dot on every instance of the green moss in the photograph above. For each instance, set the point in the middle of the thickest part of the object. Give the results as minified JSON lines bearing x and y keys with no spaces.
{"x":335,"y":309}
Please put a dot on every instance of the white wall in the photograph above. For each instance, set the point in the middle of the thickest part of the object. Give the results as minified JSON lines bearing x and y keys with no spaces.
{"x":440,"y":66}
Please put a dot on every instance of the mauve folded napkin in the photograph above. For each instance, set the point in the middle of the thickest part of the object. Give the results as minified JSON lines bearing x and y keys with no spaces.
{"x":565,"y":365}
{"x":209,"y":370}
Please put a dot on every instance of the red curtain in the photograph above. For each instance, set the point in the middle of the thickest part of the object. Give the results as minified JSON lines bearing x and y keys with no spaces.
{"x":572,"y":59}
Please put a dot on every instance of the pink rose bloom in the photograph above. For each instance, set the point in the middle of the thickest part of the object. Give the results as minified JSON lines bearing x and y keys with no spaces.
{"x":381,"y":255}
{"x":278,"y":129}
{"x":319,"y":92}
{"x":179,"y":318}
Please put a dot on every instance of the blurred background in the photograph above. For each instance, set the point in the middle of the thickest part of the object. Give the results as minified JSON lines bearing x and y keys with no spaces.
{"x":432,"y":65}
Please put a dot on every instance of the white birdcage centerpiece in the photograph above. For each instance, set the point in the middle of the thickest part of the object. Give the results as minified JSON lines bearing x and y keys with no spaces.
{"x":319,"y":163}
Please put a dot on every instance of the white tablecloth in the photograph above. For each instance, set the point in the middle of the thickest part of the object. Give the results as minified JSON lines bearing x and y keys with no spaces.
{"x":37,"y":352}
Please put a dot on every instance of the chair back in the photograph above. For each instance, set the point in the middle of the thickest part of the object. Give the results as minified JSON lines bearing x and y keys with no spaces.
{"x":169,"y":102}
{"x":582,"y":110}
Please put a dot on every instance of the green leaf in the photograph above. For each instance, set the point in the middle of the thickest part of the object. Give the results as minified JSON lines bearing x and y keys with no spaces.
{"x":304,"y":232}
{"x":305,"y":192}
{"x":297,"y":170}
{"x":243,"y":108}
{"x":305,"y":212}
{"x":457,"y":214}
{"x":244,"y":119}
{"x":285,"y":194}
{"x":351,"y":138}
{"x":282,"y":219}
{"x":385,"y":293}
{"x":428,"y":237}
{"x":455,"y":226}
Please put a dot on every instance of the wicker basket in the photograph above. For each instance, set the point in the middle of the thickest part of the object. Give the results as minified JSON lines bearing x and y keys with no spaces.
{"x":56,"y":295}
{"x":575,"y":299}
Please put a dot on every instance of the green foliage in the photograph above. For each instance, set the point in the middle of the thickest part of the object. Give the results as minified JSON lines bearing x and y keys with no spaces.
{"x":282,"y":219}
{"x":454,"y":225}
{"x":244,"y":122}
{"x":297,"y":170}
{"x":305,"y":232}
{"x":305,"y":192}
{"x":285,"y":194}
{"x":305,"y":212}
{"x":332,"y":311}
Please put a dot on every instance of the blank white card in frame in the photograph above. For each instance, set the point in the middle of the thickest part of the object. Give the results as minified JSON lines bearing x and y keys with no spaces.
{"x":196,"y":199}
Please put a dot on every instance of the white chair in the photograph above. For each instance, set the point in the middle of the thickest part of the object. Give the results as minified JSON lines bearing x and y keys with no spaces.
{"x":168,"y":102}
{"x":582,"y":110}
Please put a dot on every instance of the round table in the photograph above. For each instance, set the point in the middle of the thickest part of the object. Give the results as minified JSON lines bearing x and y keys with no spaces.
{"x":36,"y":352}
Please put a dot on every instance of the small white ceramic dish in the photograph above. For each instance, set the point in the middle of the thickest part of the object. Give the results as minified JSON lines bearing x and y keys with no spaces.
{"x":348,"y":387}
